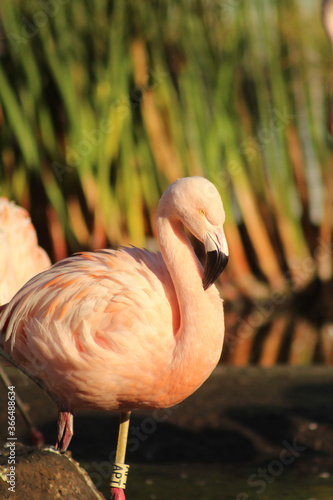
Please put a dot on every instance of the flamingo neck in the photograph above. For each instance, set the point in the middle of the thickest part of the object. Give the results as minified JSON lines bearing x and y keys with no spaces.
{"x":183,"y":266}
{"x":200,"y":335}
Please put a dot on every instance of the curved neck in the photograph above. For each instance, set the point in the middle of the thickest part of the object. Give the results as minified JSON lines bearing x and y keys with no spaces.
{"x":183,"y":265}
{"x":200,"y":335}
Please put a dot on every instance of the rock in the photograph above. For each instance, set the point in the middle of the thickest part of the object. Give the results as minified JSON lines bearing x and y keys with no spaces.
{"x":44,"y":474}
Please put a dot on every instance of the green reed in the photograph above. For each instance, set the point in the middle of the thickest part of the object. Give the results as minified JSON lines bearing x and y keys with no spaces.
{"x":104,"y":104}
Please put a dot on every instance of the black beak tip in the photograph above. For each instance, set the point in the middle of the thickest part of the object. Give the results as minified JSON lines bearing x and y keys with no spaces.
{"x":215,"y":264}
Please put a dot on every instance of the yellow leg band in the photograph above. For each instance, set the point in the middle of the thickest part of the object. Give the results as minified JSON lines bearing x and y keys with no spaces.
{"x":119,"y":475}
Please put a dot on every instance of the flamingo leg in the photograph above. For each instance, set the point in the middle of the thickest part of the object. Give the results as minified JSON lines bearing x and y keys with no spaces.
{"x":65,"y":430}
{"x":120,"y":469}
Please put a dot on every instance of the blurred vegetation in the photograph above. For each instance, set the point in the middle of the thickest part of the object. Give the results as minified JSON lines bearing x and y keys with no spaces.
{"x":103,"y":104}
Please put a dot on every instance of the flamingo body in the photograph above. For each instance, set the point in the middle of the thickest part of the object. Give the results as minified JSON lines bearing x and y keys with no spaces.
{"x":109,"y":346}
{"x":126,"y":329}
{"x":20,"y":256}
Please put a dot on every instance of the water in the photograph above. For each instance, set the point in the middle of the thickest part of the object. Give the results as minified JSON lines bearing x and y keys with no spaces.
{"x":217,"y":482}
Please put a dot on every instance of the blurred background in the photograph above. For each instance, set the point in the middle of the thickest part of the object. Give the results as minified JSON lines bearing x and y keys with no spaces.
{"x":104,"y":104}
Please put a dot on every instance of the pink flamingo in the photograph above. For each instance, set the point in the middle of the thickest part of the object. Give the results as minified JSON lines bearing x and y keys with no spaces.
{"x":20,"y":259}
{"x":126,"y":329}
{"x":20,"y":256}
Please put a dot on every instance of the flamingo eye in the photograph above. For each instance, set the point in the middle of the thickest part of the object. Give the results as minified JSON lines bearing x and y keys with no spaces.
{"x":201,"y":211}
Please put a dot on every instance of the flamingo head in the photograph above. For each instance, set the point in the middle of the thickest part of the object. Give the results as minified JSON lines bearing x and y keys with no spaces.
{"x":197,"y":204}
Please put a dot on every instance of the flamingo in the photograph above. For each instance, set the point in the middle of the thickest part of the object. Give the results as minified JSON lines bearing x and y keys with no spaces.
{"x":20,"y":259}
{"x":20,"y":256}
{"x":124,"y":329}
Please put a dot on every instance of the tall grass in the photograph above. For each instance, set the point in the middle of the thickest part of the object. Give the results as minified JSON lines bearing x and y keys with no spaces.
{"x":103,"y":104}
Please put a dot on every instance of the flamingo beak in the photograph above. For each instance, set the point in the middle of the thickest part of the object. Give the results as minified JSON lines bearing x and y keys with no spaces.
{"x":217,"y":257}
